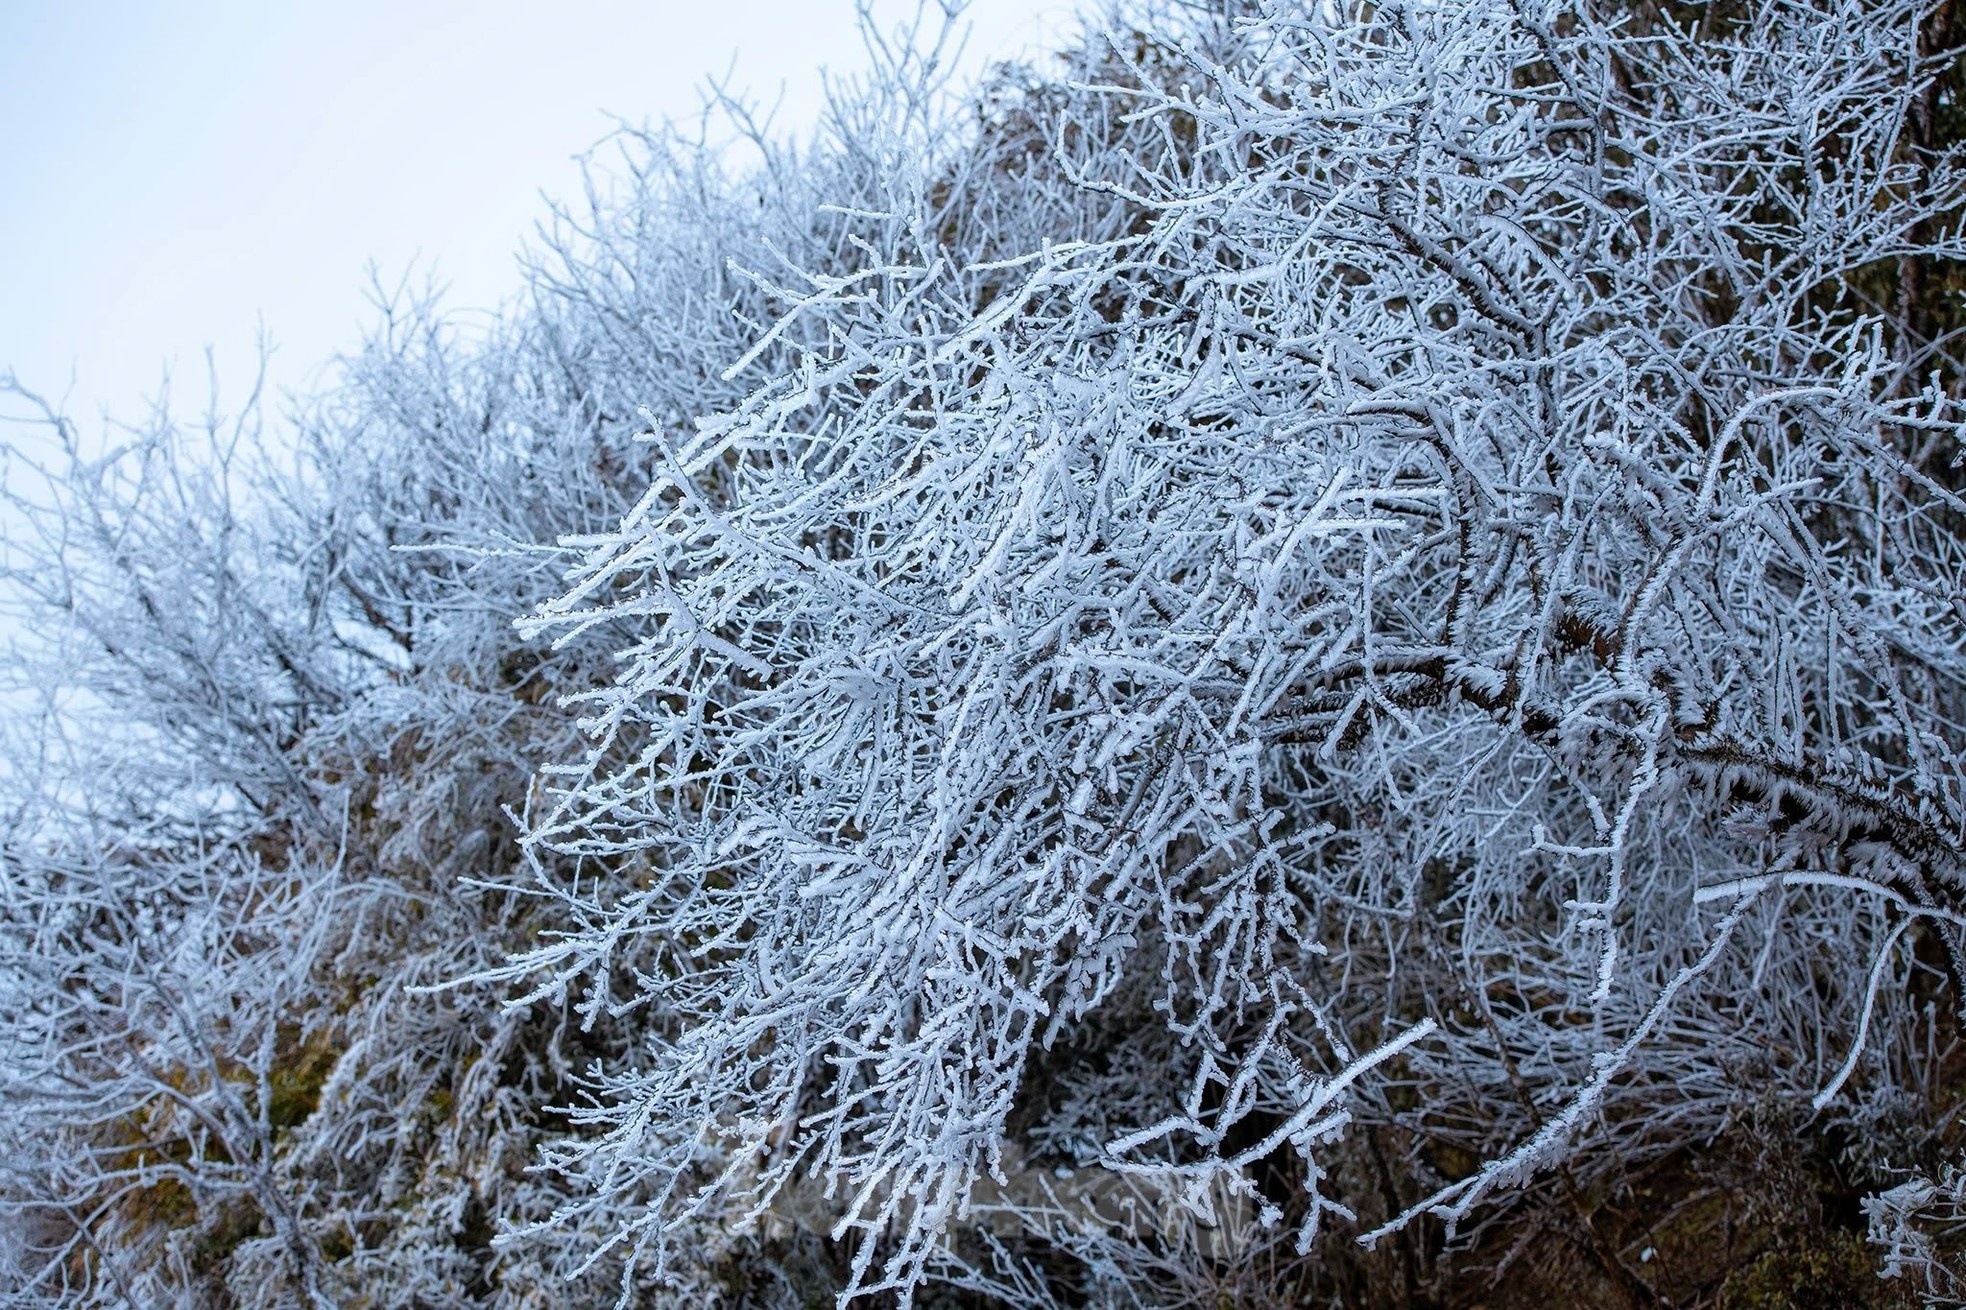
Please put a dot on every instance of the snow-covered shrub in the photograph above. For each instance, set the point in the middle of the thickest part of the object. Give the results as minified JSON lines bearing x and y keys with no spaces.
{"x":1393,"y":577}
{"x":286,"y":660}
{"x":1322,"y":625}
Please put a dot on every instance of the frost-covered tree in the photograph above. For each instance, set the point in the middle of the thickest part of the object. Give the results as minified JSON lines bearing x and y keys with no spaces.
{"x":293,"y":714}
{"x":1396,"y":574}
{"x":1257,"y":667}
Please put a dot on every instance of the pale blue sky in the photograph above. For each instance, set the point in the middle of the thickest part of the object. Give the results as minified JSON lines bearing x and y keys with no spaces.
{"x":174,"y":171}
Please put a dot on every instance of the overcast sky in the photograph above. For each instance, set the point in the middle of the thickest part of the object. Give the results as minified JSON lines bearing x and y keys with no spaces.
{"x":177,"y":170}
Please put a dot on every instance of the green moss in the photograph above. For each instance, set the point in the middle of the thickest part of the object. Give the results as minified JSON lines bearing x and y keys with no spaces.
{"x":1823,"y":1269}
{"x":299,"y":1073}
